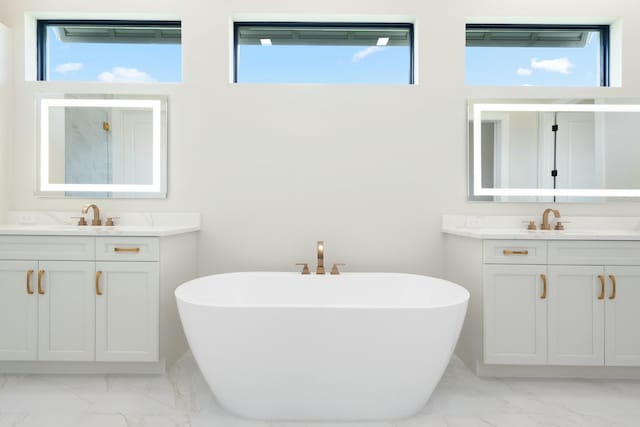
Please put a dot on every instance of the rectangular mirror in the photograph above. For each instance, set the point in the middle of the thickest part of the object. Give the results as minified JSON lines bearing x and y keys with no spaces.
{"x":102,"y":146}
{"x":554,"y":151}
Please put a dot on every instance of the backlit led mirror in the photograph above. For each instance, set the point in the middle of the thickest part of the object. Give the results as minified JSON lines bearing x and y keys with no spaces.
{"x":102,"y":146}
{"x":554,"y":151}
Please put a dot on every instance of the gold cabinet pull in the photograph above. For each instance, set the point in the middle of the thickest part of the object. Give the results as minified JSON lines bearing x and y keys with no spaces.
{"x":601,"y":277}
{"x":544,"y":286}
{"x":29,"y":290}
{"x":98,"y":274}
{"x":510,"y":252}
{"x":40,"y":274}
{"x":613,"y":289}
{"x":126,"y":249}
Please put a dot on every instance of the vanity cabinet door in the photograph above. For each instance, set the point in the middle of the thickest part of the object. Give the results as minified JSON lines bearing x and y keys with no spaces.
{"x":66,"y":311}
{"x":127,"y":311}
{"x":18,"y":310}
{"x":515,"y":314}
{"x":622,"y":316}
{"x":576,"y":315}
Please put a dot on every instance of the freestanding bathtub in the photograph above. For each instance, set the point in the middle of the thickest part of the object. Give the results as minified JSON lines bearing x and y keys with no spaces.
{"x":286,"y":346}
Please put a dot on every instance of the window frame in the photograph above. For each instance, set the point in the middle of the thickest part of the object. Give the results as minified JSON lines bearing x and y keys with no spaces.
{"x":41,"y":34}
{"x":603,"y":29}
{"x":382,"y":25}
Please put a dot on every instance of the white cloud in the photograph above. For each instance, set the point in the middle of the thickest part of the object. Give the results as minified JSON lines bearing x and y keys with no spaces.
{"x":68,"y":67}
{"x":524,"y":72}
{"x":125,"y":75}
{"x":559,"y":65}
{"x":361,"y":54}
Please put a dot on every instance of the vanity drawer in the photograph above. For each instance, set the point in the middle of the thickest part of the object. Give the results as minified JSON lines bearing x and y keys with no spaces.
{"x":47,"y":248}
{"x":603,"y":252}
{"x":515,"y":252}
{"x":127,"y":249}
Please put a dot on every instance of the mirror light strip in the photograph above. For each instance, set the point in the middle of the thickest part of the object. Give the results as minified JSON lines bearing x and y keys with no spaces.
{"x":44,"y":145}
{"x":604,"y":108}
{"x":477,"y":149}
{"x":586,"y":192}
{"x":156,"y":107}
{"x":478,"y":190}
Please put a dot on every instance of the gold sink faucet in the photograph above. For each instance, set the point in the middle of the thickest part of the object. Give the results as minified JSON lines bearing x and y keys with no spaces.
{"x":545,"y":218}
{"x":96,"y":213}
{"x":320,"y":268}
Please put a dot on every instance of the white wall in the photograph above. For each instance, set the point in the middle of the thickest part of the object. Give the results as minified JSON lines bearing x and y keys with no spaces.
{"x":273,"y":168}
{"x":5,"y":118}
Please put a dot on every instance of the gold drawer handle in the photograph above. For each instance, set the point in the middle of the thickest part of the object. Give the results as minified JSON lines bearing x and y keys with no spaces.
{"x":98,"y":274}
{"x":29,"y":290}
{"x":601,"y":277}
{"x":40,"y":274}
{"x":510,"y":252}
{"x":136,"y":250}
{"x":613,"y":290}
{"x":544,"y":286}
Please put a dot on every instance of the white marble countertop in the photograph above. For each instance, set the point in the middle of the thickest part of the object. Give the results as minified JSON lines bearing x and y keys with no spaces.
{"x":515,"y":227}
{"x":61,"y":223}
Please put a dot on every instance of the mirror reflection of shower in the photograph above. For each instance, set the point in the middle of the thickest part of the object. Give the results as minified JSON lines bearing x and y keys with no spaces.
{"x":101,"y":145}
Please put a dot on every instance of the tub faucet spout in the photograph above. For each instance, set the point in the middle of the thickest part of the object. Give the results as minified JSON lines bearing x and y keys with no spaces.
{"x":320,"y":268}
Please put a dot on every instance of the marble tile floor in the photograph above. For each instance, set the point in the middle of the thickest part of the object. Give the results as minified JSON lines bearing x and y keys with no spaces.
{"x":181,"y":398}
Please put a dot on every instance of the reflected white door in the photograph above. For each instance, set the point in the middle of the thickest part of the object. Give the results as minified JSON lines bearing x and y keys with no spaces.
{"x":132,"y":146}
{"x":579,"y":153}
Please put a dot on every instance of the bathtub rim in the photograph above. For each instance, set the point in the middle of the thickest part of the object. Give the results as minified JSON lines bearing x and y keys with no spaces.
{"x":189,"y":301}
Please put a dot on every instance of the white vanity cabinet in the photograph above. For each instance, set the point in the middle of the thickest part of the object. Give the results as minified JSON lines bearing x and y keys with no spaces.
{"x":546,"y":303}
{"x":18,"y":310}
{"x":66,"y":311}
{"x":613,"y":268}
{"x":52,"y":318}
{"x":575,"y":313}
{"x":622,"y":316}
{"x":91,"y":303}
{"x":127,"y":299}
{"x":516,"y":325}
{"x":514,"y":276}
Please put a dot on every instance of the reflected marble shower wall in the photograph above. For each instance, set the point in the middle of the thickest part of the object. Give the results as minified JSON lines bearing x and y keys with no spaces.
{"x":87,"y":146}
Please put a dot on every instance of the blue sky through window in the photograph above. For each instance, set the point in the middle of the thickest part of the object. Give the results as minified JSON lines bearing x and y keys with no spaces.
{"x":534,"y":66}
{"x":500,"y":66}
{"x":323,"y":64}
{"x":112,"y":62}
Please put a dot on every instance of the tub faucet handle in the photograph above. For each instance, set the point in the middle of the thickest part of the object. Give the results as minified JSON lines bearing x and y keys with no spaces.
{"x":334,"y":268}
{"x":305,"y":267}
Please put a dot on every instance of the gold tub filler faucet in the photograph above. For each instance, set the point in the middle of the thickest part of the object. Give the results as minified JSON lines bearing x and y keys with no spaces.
{"x":320,"y":267}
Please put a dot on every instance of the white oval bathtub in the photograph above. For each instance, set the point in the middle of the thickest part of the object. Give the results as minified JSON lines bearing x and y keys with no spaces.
{"x":286,"y":346}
